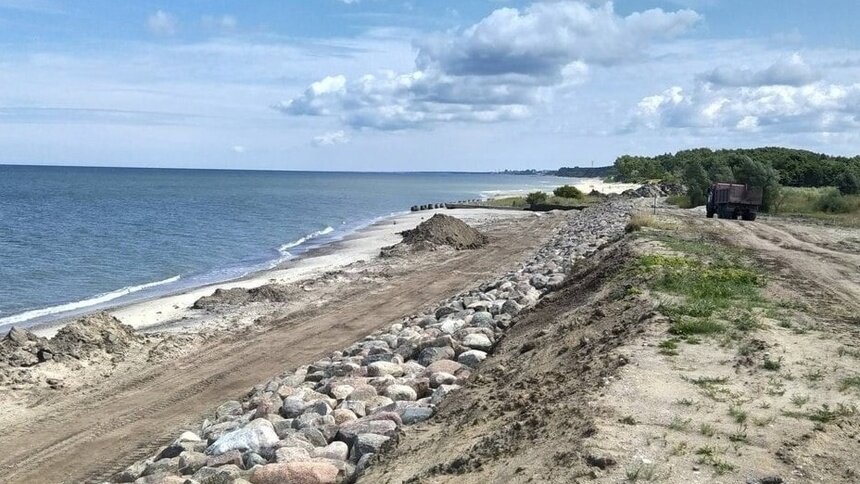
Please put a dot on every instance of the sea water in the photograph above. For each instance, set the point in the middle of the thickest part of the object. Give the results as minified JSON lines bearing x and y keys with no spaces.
{"x":73,"y":238}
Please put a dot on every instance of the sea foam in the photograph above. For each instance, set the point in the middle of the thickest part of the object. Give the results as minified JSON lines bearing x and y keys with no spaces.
{"x":93,"y":301}
{"x":285,"y":249}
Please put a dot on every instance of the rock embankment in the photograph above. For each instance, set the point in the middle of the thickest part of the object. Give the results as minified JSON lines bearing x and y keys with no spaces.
{"x":324,"y":422}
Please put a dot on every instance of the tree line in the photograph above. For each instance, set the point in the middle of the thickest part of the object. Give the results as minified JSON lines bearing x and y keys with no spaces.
{"x":769,"y":168}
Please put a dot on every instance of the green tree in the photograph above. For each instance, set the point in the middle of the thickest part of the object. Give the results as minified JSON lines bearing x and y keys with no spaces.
{"x":848,"y":183}
{"x":696,"y":179}
{"x":721,"y":172}
{"x":535,"y":198}
{"x":756,"y":174}
{"x":568,"y":191}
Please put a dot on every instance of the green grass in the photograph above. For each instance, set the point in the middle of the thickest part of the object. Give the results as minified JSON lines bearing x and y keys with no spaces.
{"x":679,"y":423}
{"x":824,"y":414}
{"x":699,"y":308}
{"x":685,"y":327}
{"x":819,"y":203}
{"x":520,"y":202}
{"x":849,"y":383}
{"x":738,"y":414}
{"x":771,"y":364}
{"x":641,"y":472}
{"x":668,"y":347}
{"x":707,"y":430}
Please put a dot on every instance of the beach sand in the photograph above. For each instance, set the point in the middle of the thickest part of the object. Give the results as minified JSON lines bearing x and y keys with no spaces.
{"x":174,"y":312}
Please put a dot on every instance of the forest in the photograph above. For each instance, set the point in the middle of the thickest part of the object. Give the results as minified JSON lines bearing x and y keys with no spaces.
{"x":769,"y":168}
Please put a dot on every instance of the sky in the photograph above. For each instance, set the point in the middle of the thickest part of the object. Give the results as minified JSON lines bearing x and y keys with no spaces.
{"x":401,"y":85}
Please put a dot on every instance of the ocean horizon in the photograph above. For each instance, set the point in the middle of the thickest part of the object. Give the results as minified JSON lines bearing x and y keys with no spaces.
{"x":77,"y":239}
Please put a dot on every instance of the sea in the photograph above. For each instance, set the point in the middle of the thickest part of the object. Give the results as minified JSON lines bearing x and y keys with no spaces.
{"x":77,"y":239}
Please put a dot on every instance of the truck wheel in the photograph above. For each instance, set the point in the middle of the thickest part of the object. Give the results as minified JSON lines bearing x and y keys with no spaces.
{"x":709,"y":214}
{"x":752,"y":216}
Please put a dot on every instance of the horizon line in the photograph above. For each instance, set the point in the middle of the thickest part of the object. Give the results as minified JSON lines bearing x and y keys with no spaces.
{"x":489,"y":172}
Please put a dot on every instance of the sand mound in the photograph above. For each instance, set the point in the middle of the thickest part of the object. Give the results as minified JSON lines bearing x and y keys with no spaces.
{"x":444,"y":230}
{"x":97,"y":333}
{"x":277,"y":293}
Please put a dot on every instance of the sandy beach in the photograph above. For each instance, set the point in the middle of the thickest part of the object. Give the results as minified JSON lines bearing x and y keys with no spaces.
{"x":173,"y":312}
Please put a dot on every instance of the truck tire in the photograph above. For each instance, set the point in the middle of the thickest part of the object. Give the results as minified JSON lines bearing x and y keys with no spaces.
{"x":750,"y":216}
{"x":709,"y":213}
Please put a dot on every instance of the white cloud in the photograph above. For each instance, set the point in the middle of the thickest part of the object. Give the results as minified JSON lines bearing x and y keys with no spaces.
{"x":812,"y":108}
{"x":791,"y":71}
{"x":331,"y":138}
{"x":498,"y":69}
{"x":238,"y":149}
{"x":162,"y":23}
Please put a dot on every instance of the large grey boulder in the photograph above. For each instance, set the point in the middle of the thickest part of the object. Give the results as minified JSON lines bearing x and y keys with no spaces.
{"x":258,"y":434}
{"x":472,"y":358}
{"x":368,"y":444}
{"x":478,"y":341}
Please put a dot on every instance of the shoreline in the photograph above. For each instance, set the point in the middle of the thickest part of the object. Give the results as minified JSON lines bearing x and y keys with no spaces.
{"x":313,"y":261}
{"x":174,"y":312}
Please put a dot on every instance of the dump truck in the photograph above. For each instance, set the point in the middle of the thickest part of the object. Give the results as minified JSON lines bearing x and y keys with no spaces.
{"x":731,"y":200}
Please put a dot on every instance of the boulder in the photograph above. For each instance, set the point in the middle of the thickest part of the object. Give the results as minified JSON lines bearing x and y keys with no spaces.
{"x":368,"y":443}
{"x":296,"y":473}
{"x":292,"y":454}
{"x":336,"y":450}
{"x":401,"y":392}
{"x":349,"y":431}
{"x":380,"y":368}
{"x":256,"y":435}
{"x":478,"y":341}
{"x":471,"y":358}
{"x":412,"y":415}
{"x":433,"y":354}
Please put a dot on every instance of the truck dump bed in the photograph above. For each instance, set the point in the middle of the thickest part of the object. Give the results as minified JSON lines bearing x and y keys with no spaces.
{"x":737,"y":194}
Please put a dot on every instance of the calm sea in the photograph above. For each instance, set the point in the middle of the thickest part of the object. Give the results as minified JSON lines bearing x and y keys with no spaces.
{"x":79,"y":238}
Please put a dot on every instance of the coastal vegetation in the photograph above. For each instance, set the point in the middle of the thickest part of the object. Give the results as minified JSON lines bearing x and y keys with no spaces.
{"x":522,"y":201}
{"x":794,"y":181}
{"x":535,"y":198}
{"x":568,"y":191}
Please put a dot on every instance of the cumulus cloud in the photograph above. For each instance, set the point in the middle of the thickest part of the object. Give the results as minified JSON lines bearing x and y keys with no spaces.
{"x":331,"y":138}
{"x":162,"y":23}
{"x":498,"y":69}
{"x":791,"y":71}
{"x":813,"y":108}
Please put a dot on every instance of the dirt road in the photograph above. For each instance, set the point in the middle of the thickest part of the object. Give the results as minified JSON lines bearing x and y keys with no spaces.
{"x":88,"y":437}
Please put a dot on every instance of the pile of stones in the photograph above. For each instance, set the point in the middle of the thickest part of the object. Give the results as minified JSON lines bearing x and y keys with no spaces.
{"x":323,"y":422}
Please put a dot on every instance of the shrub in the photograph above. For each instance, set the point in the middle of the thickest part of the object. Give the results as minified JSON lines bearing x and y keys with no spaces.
{"x":848,"y":183}
{"x":568,"y":191}
{"x":535,"y":198}
{"x":833,"y":201}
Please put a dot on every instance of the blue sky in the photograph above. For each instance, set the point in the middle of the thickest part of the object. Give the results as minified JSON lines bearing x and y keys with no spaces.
{"x":420,"y":85}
